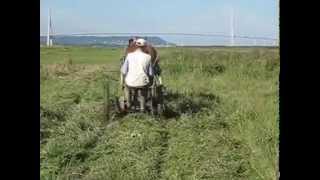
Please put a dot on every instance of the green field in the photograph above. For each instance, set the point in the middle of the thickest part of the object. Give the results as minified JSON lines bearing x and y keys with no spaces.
{"x":222,"y":120}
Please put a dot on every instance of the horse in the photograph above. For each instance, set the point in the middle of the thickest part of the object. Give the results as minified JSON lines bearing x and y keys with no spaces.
{"x":148,"y":49}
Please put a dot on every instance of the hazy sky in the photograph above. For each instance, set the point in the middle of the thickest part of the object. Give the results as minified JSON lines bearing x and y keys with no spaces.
{"x":252,"y":17}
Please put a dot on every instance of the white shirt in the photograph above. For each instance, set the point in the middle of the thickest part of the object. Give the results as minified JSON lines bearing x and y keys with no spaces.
{"x":137,"y":68}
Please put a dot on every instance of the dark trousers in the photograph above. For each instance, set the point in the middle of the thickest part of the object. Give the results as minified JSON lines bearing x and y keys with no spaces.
{"x":139,"y":92}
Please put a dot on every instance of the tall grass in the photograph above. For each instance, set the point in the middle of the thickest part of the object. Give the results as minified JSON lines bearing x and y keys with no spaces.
{"x":221,"y":120}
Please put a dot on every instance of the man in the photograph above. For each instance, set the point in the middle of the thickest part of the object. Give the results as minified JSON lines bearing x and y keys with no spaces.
{"x":137,"y":69}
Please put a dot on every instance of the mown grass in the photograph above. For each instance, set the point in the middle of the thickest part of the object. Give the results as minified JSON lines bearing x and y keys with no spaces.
{"x":221,"y":120}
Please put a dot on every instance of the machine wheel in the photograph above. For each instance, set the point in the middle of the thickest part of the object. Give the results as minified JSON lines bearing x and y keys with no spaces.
{"x":121,"y":105}
{"x":160,"y":109}
{"x":117,"y":105}
{"x":153,"y":108}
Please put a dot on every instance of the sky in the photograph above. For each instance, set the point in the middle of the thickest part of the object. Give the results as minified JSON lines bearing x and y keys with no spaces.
{"x":252,"y":17}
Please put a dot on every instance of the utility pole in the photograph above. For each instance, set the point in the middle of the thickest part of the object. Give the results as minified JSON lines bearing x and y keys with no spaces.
{"x":49,"y":40}
{"x":48,"y":33}
{"x":232,"y":27}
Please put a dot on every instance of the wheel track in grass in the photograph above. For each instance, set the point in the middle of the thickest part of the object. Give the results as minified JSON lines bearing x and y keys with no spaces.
{"x":164,"y":134}
{"x":164,"y":139}
{"x":175,"y":113}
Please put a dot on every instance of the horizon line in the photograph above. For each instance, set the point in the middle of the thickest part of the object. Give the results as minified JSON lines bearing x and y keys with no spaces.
{"x":162,"y":33}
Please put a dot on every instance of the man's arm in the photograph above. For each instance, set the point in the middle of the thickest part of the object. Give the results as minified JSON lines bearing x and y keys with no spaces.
{"x":125,"y":67}
{"x":150,"y":70}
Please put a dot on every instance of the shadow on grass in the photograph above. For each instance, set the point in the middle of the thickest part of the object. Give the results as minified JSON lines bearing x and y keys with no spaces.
{"x":178,"y":103}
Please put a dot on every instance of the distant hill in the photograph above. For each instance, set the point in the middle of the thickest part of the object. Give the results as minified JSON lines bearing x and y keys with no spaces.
{"x":111,"y":41}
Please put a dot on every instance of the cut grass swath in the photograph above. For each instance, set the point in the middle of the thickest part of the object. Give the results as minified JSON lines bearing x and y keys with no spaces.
{"x":106,"y":91}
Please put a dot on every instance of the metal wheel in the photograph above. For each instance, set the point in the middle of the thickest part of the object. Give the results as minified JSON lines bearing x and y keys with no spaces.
{"x":121,"y":104}
{"x":160,"y":109}
{"x":153,"y":108}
